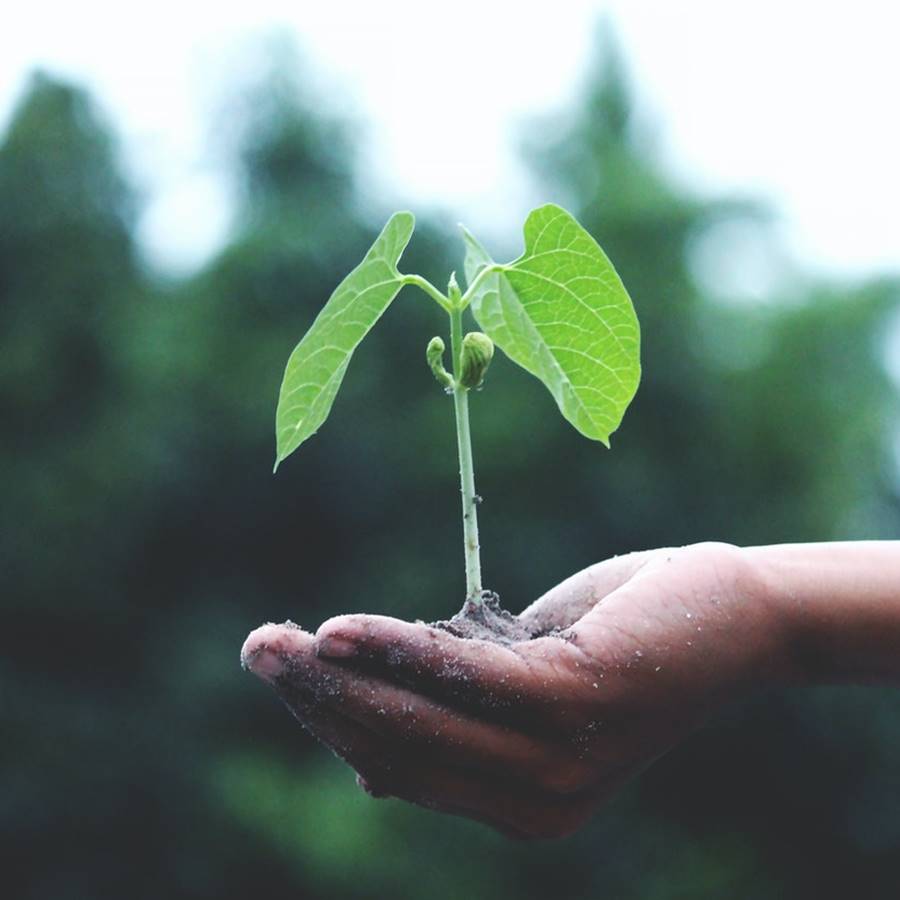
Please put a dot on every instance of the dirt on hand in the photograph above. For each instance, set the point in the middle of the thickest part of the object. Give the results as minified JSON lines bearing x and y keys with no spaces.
{"x":487,"y":620}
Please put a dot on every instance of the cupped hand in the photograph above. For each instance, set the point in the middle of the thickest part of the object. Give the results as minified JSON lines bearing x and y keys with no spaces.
{"x":533,"y":736}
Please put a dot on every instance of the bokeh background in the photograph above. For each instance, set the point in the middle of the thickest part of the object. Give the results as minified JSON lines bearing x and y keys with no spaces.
{"x":142,"y":534}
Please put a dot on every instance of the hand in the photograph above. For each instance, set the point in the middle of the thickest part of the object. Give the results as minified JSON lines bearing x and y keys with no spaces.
{"x":531,"y":738}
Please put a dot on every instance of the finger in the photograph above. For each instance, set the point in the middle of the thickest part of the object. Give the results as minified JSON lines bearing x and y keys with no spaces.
{"x":517,"y":810}
{"x":264,"y":654}
{"x":382,"y":771}
{"x":526,"y":678}
{"x":408,"y":720}
{"x":656,"y":586}
{"x":573,"y":598}
{"x":514,"y":809}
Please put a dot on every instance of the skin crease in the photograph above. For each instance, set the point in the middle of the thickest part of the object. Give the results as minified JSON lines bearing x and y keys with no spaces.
{"x":532,"y":738}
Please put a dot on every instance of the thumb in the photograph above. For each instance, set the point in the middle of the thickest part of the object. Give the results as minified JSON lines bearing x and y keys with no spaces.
{"x":574,"y":598}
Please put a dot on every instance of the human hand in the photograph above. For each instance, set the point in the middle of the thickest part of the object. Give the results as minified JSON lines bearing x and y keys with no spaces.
{"x":532,"y":737}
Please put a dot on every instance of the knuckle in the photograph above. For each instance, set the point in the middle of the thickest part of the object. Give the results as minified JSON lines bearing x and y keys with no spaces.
{"x":716,"y":553}
{"x":566,"y":779}
{"x":548,"y":826}
{"x":549,"y":819}
{"x":526,"y":835}
{"x":373,"y":789}
{"x":514,"y":835}
{"x":378,"y":779}
{"x":715,"y":547}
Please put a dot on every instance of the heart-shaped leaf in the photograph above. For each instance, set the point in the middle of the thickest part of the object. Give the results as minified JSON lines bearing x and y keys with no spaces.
{"x":562,"y":313}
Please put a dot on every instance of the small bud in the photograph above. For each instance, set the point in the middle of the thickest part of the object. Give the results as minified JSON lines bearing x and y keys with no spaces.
{"x":434,"y":353}
{"x":477,"y":350}
{"x":453,"y":291}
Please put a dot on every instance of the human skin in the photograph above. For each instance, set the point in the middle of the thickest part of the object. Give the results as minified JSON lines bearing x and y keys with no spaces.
{"x":533,"y":737}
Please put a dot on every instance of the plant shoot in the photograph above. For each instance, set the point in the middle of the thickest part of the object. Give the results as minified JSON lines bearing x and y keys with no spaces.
{"x":559,"y":311}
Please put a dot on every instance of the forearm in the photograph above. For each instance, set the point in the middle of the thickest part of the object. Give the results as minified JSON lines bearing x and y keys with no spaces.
{"x":839,"y":606}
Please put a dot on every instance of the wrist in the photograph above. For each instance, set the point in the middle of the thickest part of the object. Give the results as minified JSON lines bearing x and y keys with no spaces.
{"x":837,"y":608}
{"x":775,"y":581}
{"x":762,"y":630}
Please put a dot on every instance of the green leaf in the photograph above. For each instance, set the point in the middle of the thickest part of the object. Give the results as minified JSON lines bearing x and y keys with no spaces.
{"x":562,"y":313}
{"x":316,"y":368}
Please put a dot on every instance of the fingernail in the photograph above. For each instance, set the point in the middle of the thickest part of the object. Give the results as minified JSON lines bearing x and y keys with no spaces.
{"x":338,"y":648}
{"x":265,"y":664}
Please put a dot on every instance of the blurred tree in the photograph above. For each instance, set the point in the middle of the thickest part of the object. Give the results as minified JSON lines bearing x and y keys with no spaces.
{"x":66,"y":269}
{"x":109,"y":405}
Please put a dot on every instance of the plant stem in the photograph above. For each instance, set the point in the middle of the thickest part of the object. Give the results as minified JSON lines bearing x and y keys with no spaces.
{"x":429,"y":289}
{"x":481,"y":276}
{"x":466,"y":467}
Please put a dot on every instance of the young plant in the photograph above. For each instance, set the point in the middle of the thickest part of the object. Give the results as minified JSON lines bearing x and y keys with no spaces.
{"x":560,"y":311}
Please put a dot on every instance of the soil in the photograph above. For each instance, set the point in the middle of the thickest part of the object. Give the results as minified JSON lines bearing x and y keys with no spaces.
{"x":487,"y":620}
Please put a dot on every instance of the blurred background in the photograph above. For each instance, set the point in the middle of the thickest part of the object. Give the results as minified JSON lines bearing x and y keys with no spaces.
{"x":178,"y":198}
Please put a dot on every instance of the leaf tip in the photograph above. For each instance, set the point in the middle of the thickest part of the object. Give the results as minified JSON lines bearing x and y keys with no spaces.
{"x":466,"y":234}
{"x":405,"y":216}
{"x":550,"y":206}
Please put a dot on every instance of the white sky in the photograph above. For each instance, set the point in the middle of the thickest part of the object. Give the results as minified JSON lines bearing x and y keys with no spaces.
{"x":794,"y":102}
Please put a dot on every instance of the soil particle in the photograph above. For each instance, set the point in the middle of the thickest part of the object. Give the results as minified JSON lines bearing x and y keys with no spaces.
{"x":486,"y":620}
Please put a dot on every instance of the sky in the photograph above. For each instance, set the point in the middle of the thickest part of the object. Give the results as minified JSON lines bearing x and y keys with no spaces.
{"x":794,"y":103}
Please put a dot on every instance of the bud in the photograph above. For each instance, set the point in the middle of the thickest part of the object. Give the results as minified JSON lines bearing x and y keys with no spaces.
{"x":477,"y":350}
{"x":434,"y":353}
{"x":453,"y":291}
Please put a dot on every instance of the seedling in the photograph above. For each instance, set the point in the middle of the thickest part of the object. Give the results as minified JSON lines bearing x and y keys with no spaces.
{"x":560,"y":311}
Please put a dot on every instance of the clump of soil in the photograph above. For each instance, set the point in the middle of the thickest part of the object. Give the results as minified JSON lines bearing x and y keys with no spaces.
{"x":487,"y":620}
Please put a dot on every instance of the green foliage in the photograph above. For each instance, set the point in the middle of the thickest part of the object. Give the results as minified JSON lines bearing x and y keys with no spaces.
{"x":316,"y":368}
{"x":562,"y":313}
